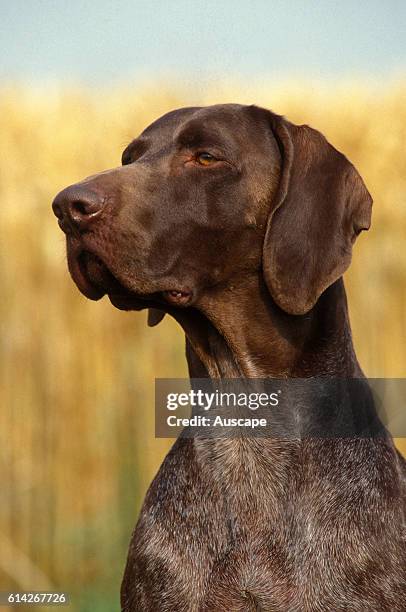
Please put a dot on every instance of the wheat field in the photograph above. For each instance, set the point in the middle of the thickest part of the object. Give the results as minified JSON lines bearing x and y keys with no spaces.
{"x":77,"y":446}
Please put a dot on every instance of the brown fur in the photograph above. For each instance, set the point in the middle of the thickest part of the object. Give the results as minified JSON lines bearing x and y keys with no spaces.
{"x":254,"y":246}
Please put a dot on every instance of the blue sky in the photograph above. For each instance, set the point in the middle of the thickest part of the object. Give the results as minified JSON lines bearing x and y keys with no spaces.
{"x":99,"y":42}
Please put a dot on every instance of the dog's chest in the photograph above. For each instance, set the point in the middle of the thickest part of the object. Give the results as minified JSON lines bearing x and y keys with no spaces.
{"x":281,"y":527}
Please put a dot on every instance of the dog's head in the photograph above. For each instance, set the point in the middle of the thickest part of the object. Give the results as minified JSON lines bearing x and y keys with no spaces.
{"x":206,"y":195}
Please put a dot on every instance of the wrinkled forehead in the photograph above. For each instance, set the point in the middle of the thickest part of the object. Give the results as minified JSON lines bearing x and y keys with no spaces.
{"x":192,"y":126}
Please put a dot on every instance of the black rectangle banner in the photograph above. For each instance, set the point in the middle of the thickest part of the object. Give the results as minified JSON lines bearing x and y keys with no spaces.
{"x":280,"y":408}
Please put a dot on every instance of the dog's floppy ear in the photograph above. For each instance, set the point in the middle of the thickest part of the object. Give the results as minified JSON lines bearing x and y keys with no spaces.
{"x":321,"y":206}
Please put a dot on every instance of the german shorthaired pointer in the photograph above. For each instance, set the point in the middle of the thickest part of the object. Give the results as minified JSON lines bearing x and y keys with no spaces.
{"x":240,"y":225}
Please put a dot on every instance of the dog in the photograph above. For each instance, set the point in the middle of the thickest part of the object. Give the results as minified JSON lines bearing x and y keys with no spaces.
{"x":240,"y":225}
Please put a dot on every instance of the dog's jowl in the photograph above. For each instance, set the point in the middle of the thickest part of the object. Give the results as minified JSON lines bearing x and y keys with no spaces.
{"x":240,"y":225}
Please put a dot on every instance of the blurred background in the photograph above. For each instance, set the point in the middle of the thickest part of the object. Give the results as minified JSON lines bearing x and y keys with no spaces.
{"x":77,"y":83}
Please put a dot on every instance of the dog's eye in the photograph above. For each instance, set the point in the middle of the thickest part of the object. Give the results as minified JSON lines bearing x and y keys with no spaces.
{"x":205,"y":159}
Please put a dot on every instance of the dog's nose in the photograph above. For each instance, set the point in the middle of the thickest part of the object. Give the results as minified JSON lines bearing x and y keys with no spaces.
{"x":77,"y":207}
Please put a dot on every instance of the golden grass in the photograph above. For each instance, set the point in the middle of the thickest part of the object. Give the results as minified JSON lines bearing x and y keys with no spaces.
{"x":76,"y":382}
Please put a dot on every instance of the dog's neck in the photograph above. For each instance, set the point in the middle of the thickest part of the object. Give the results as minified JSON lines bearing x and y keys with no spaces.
{"x":244,"y":334}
